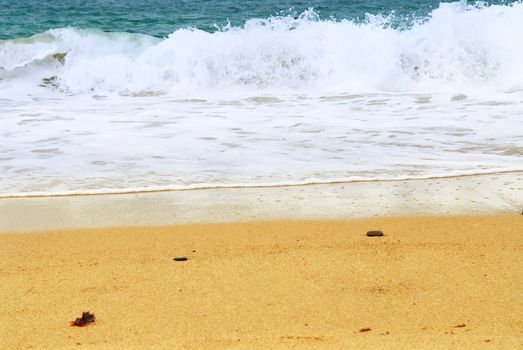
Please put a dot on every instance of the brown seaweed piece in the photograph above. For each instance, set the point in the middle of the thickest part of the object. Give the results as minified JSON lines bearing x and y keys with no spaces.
{"x":86,"y":319}
{"x":60,"y":57}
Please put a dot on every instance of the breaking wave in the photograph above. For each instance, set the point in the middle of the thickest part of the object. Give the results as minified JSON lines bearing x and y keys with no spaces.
{"x":459,"y":46}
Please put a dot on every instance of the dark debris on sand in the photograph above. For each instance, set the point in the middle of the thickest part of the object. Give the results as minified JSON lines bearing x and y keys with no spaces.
{"x":85,"y":320}
{"x":375,"y":233}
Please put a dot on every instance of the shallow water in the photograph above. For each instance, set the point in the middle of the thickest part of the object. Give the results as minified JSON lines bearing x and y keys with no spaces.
{"x":287,"y":99}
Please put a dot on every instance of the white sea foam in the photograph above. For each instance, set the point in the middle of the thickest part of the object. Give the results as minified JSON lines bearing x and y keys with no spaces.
{"x":278,"y":100}
{"x":458,"y":46}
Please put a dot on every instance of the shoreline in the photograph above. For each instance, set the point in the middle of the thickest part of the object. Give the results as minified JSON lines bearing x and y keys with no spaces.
{"x":147,"y":190}
{"x":489,"y":194}
{"x":450,"y":282}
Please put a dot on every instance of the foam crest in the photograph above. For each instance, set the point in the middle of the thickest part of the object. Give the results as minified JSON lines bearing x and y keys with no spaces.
{"x":459,"y":46}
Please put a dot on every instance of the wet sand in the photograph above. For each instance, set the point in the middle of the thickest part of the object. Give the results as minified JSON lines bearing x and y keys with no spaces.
{"x":437,"y":282}
{"x":498,"y":193}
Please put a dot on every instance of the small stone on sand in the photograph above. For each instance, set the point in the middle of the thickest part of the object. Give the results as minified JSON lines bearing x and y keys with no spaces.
{"x":374,"y":233}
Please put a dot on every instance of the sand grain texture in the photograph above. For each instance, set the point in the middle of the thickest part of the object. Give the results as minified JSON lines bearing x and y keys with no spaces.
{"x":268,"y":285}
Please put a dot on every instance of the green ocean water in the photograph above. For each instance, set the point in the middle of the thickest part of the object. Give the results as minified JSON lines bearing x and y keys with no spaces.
{"x":161,"y":17}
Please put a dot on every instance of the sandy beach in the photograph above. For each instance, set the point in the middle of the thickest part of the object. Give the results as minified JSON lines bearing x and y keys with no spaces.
{"x":429,"y":283}
{"x":207,"y":175}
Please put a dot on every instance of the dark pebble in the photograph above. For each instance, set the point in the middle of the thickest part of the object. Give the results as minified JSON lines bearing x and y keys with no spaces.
{"x":374,"y":234}
{"x":180,"y":258}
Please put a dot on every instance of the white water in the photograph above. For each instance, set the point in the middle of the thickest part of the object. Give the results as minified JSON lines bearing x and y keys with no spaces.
{"x":280,"y":100}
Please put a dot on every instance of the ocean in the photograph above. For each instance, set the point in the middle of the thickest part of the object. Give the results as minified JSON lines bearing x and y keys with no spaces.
{"x":112,"y":96}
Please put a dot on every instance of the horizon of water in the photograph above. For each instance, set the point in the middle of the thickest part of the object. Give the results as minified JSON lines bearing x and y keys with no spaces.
{"x":118,"y":97}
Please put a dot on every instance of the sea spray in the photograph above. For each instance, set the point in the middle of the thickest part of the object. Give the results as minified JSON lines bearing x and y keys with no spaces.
{"x":457,"y":47}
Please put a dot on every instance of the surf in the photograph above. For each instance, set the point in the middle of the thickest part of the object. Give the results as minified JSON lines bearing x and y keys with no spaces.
{"x":458,"y":46}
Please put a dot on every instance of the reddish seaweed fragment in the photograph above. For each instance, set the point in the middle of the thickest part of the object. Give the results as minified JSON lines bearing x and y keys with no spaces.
{"x":366,"y":329}
{"x":86,"y":318}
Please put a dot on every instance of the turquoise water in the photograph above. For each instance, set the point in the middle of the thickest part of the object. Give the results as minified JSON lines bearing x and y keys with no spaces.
{"x":162,"y":17}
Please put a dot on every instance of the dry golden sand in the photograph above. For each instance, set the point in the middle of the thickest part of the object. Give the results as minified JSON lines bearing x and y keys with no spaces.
{"x":269,"y":285}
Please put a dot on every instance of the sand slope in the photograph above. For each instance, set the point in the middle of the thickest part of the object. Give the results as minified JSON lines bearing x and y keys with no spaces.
{"x":269,"y":285}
